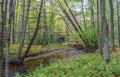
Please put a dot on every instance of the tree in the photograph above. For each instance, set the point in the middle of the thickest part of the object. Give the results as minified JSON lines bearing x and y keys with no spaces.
{"x":105,"y":31}
{"x":8,"y":38}
{"x":45,"y":26}
{"x":13,"y":22}
{"x":112,"y":25}
{"x":118,"y":17}
{"x":74,"y":23}
{"x":35,"y":33}
{"x":98,"y":30}
{"x":1,"y":39}
{"x":24,"y":24}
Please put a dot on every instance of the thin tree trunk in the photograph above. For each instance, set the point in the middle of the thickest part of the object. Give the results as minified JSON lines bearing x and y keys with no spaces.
{"x":1,"y":40}
{"x":8,"y":39}
{"x":45,"y":27}
{"x":35,"y":33}
{"x":23,"y":31}
{"x":51,"y":23}
{"x":105,"y":31}
{"x":68,"y":27}
{"x":118,"y":23}
{"x":112,"y":25}
{"x":83,"y":15}
{"x":24,"y":23}
{"x":98,"y":30}
{"x":76,"y":22}
{"x":73,"y":24}
{"x":13,"y":19}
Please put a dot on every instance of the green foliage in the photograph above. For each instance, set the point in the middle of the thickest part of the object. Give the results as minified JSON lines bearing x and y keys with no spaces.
{"x":17,"y":75}
{"x":91,"y":34}
{"x":91,"y":65}
{"x":35,"y":49}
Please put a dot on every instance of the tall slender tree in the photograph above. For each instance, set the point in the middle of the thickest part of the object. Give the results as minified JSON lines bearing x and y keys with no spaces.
{"x":8,"y":39}
{"x":112,"y":25}
{"x":1,"y":39}
{"x":105,"y":31}
{"x":24,"y":24}
{"x":22,"y":31}
{"x":13,"y":22}
{"x":98,"y":29}
{"x":35,"y":33}
{"x":118,"y":17}
{"x":45,"y":26}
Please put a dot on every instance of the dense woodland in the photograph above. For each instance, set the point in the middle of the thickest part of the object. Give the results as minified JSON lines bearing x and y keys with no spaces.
{"x":59,"y":38}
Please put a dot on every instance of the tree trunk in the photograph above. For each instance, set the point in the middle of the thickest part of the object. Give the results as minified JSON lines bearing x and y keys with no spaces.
{"x":1,"y":40}
{"x":8,"y":39}
{"x":13,"y":19}
{"x":83,"y":15}
{"x":105,"y":31}
{"x":73,"y":24}
{"x":35,"y":33}
{"x":98,"y":30}
{"x":45,"y":27}
{"x":112,"y":25}
{"x":118,"y":23}
{"x":51,"y":22}
{"x":22,"y":31}
{"x":24,"y":24}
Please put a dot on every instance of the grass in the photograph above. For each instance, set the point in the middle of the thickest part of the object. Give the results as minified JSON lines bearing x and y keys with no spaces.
{"x":37,"y":48}
{"x":91,"y":65}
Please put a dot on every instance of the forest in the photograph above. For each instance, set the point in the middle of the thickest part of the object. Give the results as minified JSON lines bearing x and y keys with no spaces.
{"x":59,"y":38}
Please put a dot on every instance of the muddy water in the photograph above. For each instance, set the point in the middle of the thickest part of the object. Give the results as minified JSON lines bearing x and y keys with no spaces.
{"x":32,"y":62}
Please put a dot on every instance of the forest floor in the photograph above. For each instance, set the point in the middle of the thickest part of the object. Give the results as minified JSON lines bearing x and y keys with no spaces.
{"x":33,"y":61}
{"x":90,"y":65}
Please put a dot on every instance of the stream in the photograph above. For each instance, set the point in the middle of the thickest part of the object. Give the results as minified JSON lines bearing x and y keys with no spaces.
{"x":33,"y":61}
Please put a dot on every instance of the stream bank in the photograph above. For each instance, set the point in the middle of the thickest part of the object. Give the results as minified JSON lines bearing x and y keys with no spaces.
{"x":31,"y":62}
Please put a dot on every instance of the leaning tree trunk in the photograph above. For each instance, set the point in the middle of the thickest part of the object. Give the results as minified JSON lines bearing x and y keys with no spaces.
{"x":112,"y":25}
{"x":73,"y":23}
{"x":76,"y":21}
{"x":35,"y":33}
{"x":68,"y":27}
{"x":1,"y":39}
{"x":105,"y":31}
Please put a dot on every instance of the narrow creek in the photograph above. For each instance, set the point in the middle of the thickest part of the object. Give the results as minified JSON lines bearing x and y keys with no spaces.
{"x":32,"y":62}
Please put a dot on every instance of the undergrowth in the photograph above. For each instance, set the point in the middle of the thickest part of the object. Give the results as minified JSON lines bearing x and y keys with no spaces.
{"x":35,"y":49}
{"x":91,"y":65}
